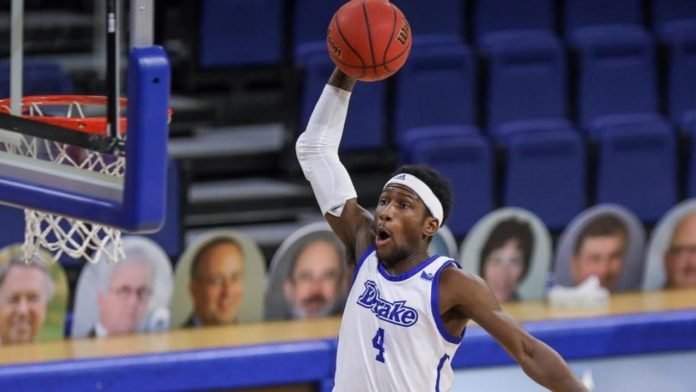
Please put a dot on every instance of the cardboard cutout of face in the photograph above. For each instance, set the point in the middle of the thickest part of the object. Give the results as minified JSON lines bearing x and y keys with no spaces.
{"x":511,"y":249}
{"x":220,"y":280}
{"x":33,"y":299}
{"x":308,"y":276}
{"x":671,"y":254}
{"x":131,"y":296}
{"x":607,"y":241}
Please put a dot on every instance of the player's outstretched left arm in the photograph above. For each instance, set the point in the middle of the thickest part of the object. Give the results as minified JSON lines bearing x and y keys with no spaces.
{"x":469,"y":296}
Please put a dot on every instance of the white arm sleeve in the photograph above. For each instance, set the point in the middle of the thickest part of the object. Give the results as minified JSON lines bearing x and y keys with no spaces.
{"x":317,"y":151}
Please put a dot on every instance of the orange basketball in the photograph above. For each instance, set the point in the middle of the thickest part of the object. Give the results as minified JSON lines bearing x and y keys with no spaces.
{"x":369,"y":39}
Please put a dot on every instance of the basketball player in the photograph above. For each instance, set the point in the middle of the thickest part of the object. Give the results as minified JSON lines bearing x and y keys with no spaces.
{"x":407,"y":311}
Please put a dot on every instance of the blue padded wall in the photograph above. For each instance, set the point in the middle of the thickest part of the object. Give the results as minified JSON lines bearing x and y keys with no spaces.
{"x":240,"y":32}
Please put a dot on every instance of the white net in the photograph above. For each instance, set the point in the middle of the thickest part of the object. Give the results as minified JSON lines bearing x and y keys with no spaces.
{"x":59,"y":234}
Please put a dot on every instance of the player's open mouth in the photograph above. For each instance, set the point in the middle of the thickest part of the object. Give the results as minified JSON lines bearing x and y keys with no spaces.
{"x":383,"y":236}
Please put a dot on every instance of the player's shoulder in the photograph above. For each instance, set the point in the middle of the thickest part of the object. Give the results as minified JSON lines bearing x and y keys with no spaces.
{"x":462,"y":290}
{"x":456,"y":277}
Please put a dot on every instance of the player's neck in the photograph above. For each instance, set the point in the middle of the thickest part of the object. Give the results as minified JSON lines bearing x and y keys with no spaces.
{"x":404,"y":265}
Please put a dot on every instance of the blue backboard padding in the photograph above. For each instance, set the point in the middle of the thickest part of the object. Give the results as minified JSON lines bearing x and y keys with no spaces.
{"x":314,"y":361}
{"x":145,"y":188}
{"x":169,"y":237}
{"x":143,"y":204}
{"x":239,"y":367}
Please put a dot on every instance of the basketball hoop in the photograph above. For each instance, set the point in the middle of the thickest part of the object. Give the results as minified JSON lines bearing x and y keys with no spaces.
{"x":90,"y":149}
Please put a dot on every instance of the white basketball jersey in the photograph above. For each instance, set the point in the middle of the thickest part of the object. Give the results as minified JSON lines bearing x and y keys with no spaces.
{"x":392,"y":337}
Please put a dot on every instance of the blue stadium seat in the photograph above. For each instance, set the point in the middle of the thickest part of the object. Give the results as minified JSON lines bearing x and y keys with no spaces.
{"x":439,"y":19}
{"x":672,"y":14}
{"x":436,"y":86}
{"x":40,"y":77}
{"x":366,"y":123}
{"x":240,"y":33}
{"x":610,"y":41}
{"x":526,"y":101}
{"x":545,"y":169}
{"x":309,"y":24}
{"x":617,"y":73}
{"x":681,"y":73}
{"x":518,"y":69}
{"x":498,"y":16}
{"x":414,"y":135}
{"x":463,"y":156}
{"x":674,"y":23}
{"x":618,"y":107}
{"x":582,"y":15}
{"x":636,"y":165}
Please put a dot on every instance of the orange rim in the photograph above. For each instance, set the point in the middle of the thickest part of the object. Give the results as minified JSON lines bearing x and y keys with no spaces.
{"x":91,"y":125}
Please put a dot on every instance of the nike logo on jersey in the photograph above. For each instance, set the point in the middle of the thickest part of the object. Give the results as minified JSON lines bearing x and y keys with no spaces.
{"x":396,"y":313}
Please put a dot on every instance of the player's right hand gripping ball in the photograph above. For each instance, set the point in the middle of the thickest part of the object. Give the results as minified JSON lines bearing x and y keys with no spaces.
{"x":369,"y":39}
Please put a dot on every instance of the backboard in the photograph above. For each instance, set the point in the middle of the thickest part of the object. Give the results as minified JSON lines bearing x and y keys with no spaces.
{"x":49,"y":52}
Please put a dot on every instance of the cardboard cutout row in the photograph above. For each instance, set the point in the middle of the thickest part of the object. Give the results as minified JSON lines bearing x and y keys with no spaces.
{"x":220,"y":279}
{"x":308,"y":276}
{"x":33,"y":297}
{"x":606,"y":241}
{"x":671,"y":255}
{"x":131,"y":296}
{"x":510,"y":248}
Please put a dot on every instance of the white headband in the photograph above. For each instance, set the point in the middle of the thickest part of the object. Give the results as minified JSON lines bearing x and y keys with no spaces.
{"x":422,"y":190}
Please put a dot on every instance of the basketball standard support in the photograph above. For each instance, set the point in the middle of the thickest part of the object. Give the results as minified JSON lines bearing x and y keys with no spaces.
{"x":145,"y":189}
{"x":16,"y":66}
{"x":136,"y":204}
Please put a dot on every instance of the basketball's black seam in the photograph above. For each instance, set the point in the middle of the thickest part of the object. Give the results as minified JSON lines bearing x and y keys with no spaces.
{"x":378,"y":65}
{"x":397,"y":56}
{"x":391,"y":38}
{"x":369,"y":37}
{"x":343,"y":37}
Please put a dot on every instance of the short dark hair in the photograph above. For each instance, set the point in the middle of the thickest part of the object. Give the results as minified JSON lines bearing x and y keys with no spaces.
{"x":435,"y":181}
{"x":506,"y":230}
{"x":601,"y":226}
{"x":203,"y":252}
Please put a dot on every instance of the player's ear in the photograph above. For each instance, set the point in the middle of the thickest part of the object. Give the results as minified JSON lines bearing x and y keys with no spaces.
{"x":430,"y":226}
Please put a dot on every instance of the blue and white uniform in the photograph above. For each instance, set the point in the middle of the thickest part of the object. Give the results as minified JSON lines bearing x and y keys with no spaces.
{"x":392,"y":337}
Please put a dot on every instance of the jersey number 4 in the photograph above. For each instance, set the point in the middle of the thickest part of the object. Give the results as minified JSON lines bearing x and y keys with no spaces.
{"x":378,"y":343}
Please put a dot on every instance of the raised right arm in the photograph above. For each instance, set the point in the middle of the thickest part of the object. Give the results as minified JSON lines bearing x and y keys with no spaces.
{"x":317,"y":152}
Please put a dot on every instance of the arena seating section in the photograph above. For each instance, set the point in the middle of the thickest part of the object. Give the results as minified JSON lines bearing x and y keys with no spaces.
{"x":549,"y":105}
